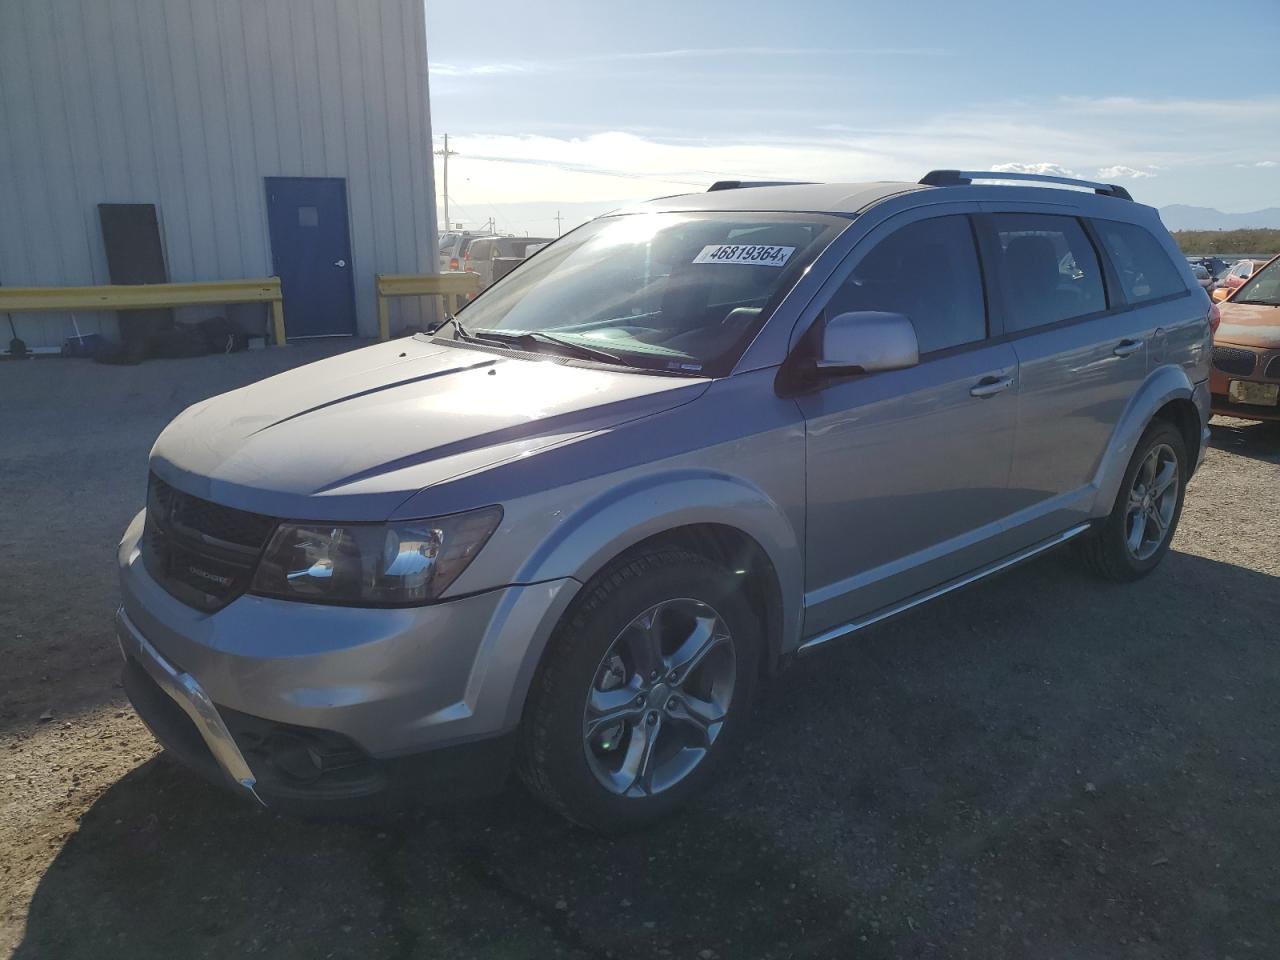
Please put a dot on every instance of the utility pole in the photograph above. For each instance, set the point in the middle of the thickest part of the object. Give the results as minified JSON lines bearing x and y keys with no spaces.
{"x":558,"y":219}
{"x":446,"y":153}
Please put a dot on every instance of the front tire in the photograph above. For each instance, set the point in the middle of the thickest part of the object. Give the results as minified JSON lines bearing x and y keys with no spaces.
{"x":643,"y":692}
{"x":1135,"y":536}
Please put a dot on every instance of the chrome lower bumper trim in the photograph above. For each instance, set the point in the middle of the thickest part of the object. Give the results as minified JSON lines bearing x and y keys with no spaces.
{"x":187,"y":693}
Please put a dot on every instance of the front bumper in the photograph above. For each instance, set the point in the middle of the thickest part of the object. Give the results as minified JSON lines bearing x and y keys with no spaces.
{"x":1265,"y":369}
{"x":187,"y":694}
{"x":370,"y":690}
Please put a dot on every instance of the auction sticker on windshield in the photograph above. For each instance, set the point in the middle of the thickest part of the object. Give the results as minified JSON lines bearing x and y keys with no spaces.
{"x":759,"y":254}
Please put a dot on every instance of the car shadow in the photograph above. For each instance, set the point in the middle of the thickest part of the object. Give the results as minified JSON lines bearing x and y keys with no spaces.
{"x":1259,"y":440}
{"x":1042,"y":764}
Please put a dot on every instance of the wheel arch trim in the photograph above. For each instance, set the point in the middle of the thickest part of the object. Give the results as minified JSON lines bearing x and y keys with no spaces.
{"x":1163,"y":385}
{"x":621,"y":518}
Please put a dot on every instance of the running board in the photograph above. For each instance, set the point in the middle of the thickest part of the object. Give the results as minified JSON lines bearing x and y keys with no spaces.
{"x":854,"y":626}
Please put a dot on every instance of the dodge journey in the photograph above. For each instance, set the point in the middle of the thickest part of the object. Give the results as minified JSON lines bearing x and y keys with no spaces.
{"x":570,"y":531}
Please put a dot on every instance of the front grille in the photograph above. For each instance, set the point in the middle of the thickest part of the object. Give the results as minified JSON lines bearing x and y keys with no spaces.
{"x":1273,"y":368}
{"x":201,"y":552}
{"x":206,"y":519}
{"x":1231,"y":360}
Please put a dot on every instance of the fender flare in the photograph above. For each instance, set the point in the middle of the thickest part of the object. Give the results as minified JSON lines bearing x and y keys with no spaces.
{"x":624,"y":516}
{"x":1165,"y":383}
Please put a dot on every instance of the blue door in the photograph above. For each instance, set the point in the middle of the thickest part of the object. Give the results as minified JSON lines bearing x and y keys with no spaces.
{"x":311,"y":254}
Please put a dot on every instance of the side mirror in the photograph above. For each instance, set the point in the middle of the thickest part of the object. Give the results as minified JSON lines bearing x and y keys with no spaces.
{"x":867,"y":341}
{"x":1220,"y":294}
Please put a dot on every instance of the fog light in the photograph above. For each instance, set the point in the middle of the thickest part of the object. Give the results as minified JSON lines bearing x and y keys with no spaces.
{"x":295,"y":758}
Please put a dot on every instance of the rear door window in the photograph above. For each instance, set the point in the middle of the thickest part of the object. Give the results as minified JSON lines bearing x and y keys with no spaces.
{"x":928,"y":271}
{"x":1144,"y":269}
{"x":1049,"y":270}
{"x":517,"y":246}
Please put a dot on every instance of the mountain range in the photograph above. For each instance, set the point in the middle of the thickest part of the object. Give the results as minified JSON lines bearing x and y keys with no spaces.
{"x":1179,"y":216}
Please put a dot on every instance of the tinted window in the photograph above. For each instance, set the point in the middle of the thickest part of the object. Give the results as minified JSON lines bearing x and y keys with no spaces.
{"x":928,"y":271}
{"x":479,"y":250}
{"x":1146,"y":273}
{"x":1050,"y":271}
{"x":517,"y":246}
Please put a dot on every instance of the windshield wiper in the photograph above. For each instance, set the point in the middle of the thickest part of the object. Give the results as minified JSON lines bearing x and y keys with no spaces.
{"x":1260,"y":303}
{"x":458,"y":329}
{"x":538,"y":337}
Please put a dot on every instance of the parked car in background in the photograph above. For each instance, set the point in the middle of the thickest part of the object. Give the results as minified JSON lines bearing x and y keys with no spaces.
{"x":1234,"y":278}
{"x":1245,"y":377}
{"x":686,"y":442}
{"x":1202,"y":275}
{"x":453,"y":248}
{"x":1215,"y":265}
{"x":483,"y":252}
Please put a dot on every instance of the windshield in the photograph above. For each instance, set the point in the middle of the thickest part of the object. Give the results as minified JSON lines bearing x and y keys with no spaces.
{"x":677,"y":292}
{"x":1263,"y":288}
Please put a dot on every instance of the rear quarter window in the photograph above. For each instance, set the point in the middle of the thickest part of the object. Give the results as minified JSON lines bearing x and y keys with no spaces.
{"x":1140,"y":261}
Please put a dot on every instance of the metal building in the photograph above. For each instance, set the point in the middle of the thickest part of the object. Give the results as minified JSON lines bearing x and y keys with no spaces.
{"x":271,"y":137}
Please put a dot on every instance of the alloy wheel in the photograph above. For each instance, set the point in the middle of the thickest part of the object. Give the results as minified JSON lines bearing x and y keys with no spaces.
{"x":1153,"y":498}
{"x":659,"y":698}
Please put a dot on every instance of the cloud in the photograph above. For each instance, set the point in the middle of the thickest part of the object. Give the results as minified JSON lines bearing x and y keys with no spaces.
{"x":1251,"y":108}
{"x":1049,"y":169}
{"x":479,"y":69}
{"x":1120,"y":171}
{"x":704,"y":52}
{"x":563,"y":64}
{"x":1094,"y":139}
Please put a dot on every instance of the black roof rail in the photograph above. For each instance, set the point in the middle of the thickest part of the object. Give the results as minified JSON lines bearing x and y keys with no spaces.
{"x":956,"y":178}
{"x":739,"y":184}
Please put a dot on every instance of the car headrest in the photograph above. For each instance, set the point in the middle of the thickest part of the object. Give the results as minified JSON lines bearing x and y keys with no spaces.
{"x":1032,"y":263}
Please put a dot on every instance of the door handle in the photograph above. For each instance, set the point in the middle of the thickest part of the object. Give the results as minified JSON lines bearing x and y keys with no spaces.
{"x":339,"y":263}
{"x":990,"y":386}
{"x":1126,"y":347}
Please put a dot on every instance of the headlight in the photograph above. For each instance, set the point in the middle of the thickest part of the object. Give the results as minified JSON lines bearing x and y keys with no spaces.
{"x":391,"y":564}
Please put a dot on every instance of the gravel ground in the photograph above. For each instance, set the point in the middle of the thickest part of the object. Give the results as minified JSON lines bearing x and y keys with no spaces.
{"x":1042,"y":765}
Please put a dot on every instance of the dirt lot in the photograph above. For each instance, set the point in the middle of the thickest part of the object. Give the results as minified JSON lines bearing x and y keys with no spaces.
{"x":1042,"y":765}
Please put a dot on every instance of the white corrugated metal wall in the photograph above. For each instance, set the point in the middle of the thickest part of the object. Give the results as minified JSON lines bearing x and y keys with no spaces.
{"x":189,"y":104}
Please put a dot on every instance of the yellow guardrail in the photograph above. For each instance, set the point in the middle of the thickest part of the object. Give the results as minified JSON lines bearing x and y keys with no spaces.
{"x":457,"y":286}
{"x":143,"y":296}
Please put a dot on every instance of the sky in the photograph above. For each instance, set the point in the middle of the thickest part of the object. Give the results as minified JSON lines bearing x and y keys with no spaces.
{"x":579,"y":107}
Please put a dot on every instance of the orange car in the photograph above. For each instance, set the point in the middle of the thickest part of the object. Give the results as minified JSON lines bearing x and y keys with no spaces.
{"x":1236,"y":277}
{"x":1245,"y":377}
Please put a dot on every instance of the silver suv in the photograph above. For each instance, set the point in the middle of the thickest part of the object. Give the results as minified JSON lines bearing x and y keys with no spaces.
{"x":572,"y":530}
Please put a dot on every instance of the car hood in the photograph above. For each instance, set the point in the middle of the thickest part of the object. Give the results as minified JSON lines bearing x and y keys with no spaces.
{"x":1249,"y":325}
{"x":353,"y":436}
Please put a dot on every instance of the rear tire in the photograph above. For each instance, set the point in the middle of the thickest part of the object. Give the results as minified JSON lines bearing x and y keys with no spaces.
{"x":1135,"y":536}
{"x":643,"y":692}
